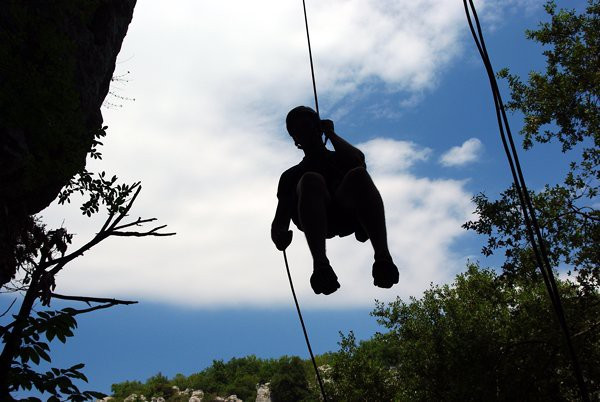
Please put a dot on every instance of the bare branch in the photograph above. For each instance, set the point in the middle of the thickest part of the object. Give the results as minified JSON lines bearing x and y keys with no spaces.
{"x":105,"y":302}
{"x":61,"y":262}
{"x":138,"y":222}
{"x":108,"y":221}
{"x":152,"y":232}
{"x":579,"y":211}
{"x":110,"y":228}
{"x":89,"y":300}
{"x":88,"y":310}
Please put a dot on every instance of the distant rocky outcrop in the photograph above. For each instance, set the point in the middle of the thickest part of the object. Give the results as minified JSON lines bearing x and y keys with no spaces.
{"x":231,"y":398}
{"x":263,"y":394}
{"x":196,"y":396}
{"x":57,"y":59}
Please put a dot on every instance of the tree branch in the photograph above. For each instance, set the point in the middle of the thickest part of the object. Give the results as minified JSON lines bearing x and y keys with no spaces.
{"x":88,"y":310}
{"x":89,"y":300}
{"x":110,"y":228}
{"x":123,"y":213}
{"x":579,"y":211}
{"x":152,"y":232}
{"x":105,"y":303}
{"x":138,"y":222}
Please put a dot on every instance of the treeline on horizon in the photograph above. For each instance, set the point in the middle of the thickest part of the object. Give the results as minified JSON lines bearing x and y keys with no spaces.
{"x":288,"y":379}
{"x":482,"y":336}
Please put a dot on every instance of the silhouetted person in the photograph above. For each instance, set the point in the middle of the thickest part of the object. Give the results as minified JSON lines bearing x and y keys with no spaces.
{"x":330,"y":193}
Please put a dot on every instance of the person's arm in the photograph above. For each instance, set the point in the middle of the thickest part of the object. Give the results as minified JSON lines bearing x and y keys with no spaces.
{"x":350,"y":153}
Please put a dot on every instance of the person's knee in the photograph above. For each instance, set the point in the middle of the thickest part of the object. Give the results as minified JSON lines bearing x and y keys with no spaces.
{"x":357,"y":188}
{"x":312,"y":183}
{"x":359,"y":179}
{"x":358,"y":173}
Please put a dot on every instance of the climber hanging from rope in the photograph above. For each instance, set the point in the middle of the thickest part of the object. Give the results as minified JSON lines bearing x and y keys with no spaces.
{"x":327,"y":194}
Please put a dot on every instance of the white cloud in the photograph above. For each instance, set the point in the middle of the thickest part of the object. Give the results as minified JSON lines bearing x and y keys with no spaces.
{"x":386,"y":155}
{"x":213,"y":81}
{"x":468,"y":152}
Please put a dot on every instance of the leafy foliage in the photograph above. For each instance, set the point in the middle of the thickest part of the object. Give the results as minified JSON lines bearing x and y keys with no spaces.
{"x":560,"y":104}
{"x":566,"y":95}
{"x":100,"y":190}
{"x":56,"y":381}
{"x":480,"y":338}
{"x":362,"y":372}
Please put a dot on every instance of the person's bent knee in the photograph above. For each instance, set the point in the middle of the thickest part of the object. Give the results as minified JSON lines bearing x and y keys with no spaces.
{"x":356,"y":184}
{"x":358,"y":175}
{"x":312,"y":183}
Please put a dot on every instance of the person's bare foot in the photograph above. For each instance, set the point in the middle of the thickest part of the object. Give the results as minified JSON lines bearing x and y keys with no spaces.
{"x":323,"y":279}
{"x":385,"y":273}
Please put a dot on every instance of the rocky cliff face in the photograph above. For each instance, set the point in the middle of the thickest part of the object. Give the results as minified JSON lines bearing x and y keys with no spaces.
{"x":56,"y":62}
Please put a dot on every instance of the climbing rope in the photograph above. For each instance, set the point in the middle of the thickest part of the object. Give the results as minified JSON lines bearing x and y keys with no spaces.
{"x":312,"y":357}
{"x":287,"y":267}
{"x":533,"y":229}
{"x":312,"y":68}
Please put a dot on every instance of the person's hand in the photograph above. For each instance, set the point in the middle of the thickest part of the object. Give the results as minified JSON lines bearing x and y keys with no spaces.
{"x":327,"y":126}
{"x":281,"y":238}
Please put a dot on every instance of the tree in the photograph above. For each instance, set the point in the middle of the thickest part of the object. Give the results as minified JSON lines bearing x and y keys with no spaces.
{"x":561,"y":105}
{"x":478,"y":338}
{"x":40,"y":255}
{"x":483,"y":338}
{"x":289,"y":382}
{"x":558,"y":105}
{"x":124,"y":389}
{"x":363,"y":372}
{"x":158,"y":386}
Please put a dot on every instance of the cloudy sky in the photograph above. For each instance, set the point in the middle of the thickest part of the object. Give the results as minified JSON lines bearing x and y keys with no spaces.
{"x":198,"y":117}
{"x":212,"y":83}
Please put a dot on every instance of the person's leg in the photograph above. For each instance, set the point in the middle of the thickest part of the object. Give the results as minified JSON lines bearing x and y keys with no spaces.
{"x":360,"y":196}
{"x":313,"y":198}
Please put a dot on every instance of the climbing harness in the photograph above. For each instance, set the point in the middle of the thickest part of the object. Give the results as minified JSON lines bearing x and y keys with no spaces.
{"x":533,"y":229}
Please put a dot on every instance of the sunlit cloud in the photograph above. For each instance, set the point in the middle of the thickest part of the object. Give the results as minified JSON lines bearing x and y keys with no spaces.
{"x":213,"y":82}
{"x":468,"y":152}
{"x":386,"y":155}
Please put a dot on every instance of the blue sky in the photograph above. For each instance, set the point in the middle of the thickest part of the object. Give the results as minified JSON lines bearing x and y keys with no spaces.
{"x":212,"y":84}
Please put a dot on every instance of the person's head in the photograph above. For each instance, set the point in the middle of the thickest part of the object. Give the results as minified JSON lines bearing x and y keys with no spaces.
{"x":304,"y":125}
